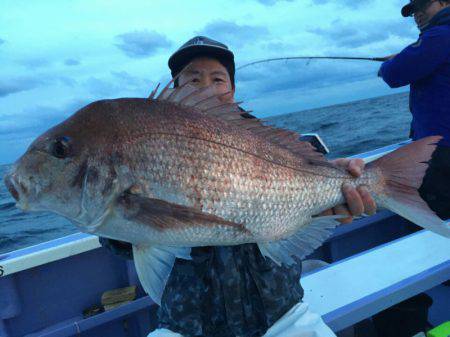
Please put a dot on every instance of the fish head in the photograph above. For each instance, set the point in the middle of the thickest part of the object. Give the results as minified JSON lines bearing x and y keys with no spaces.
{"x":68,"y":169}
{"x":45,"y":177}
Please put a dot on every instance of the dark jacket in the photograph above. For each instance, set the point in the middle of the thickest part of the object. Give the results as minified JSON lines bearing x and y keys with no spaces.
{"x":224,"y":291}
{"x":425,"y":66}
{"x":227,"y":292}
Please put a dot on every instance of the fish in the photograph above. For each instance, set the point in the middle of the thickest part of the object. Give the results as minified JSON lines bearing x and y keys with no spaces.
{"x":183,"y":169}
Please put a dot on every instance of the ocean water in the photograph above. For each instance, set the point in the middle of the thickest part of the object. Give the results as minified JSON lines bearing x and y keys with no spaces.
{"x":354,"y":127}
{"x":347,"y":129}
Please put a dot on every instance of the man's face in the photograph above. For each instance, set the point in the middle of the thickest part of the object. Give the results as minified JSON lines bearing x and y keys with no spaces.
{"x":206,"y":71}
{"x":426,"y":12}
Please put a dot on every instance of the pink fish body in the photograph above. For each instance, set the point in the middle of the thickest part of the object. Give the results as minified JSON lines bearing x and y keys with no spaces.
{"x":186,"y":170}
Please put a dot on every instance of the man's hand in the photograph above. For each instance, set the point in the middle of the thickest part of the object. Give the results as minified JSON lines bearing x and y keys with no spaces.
{"x":358,"y":200}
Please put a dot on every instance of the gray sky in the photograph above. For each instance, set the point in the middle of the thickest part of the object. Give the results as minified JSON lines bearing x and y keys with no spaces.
{"x":57,"y":56}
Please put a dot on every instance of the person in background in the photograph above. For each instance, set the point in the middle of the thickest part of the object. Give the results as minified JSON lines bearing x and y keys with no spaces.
{"x":234,"y":291}
{"x":425,"y":67}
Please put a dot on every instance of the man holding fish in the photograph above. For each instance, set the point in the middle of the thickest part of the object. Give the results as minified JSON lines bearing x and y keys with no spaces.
{"x":247,"y":293}
{"x":218,"y":208}
{"x":269,"y":290}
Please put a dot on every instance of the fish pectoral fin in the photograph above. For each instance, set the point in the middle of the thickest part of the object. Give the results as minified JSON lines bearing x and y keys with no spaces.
{"x":162,"y":215}
{"x":153,"y":266}
{"x":301,"y":244}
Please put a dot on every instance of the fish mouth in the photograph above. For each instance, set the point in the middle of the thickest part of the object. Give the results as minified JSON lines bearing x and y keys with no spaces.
{"x":11,"y":187}
{"x":17,"y":191}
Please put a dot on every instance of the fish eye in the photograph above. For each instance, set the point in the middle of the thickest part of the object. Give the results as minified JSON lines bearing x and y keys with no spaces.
{"x":61,"y":147}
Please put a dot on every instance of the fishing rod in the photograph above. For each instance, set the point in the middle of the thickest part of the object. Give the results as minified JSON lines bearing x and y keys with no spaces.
{"x":375,"y":59}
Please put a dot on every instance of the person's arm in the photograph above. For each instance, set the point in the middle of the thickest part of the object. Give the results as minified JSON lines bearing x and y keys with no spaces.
{"x":418,"y":60}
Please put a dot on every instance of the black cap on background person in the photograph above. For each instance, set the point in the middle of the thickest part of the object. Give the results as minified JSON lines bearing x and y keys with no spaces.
{"x":413,"y":6}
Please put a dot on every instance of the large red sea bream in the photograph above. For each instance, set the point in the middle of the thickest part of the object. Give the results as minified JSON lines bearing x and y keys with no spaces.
{"x":185,"y":170}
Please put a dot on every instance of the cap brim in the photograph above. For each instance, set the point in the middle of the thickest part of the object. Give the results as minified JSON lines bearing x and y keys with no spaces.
{"x":407,"y":10}
{"x":183,"y":56}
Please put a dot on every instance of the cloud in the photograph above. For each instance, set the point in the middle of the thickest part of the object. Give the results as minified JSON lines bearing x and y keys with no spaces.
{"x":101,"y":87}
{"x":350,"y":36}
{"x":298,"y":85}
{"x":12,"y":86}
{"x":36,"y":62}
{"x":130,"y":82}
{"x":300,"y":75}
{"x":344,"y":3}
{"x":234,"y":34}
{"x":119,"y":85}
{"x":18,"y":129}
{"x":272,"y":2}
{"x":35,"y":120}
{"x":140,"y":44}
{"x":358,"y":35}
{"x":71,"y":62}
{"x":126,"y":77}
{"x":69,"y":81}
{"x":8,"y":89}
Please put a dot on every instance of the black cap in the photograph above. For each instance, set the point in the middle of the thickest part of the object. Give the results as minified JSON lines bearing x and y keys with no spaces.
{"x":202,"y":46}
{"x":410,"y":8}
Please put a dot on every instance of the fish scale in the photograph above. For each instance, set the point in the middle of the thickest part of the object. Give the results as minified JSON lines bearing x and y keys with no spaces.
{"x":235,"y":189}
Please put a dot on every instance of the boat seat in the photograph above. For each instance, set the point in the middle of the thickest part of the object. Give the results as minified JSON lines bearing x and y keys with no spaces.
{"x":362,"y":285}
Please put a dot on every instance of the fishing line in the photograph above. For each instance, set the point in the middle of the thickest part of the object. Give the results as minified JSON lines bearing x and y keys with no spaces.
{"x":374,"y":59}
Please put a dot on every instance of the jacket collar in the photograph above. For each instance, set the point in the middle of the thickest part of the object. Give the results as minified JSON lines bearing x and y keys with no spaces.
{"x":441,"y":18}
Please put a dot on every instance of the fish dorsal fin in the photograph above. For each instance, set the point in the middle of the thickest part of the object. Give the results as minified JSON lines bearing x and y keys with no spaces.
{"x":208,"y":101}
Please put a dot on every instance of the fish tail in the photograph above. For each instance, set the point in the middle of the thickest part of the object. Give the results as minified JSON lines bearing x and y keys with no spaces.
{"x":402,"y":173}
